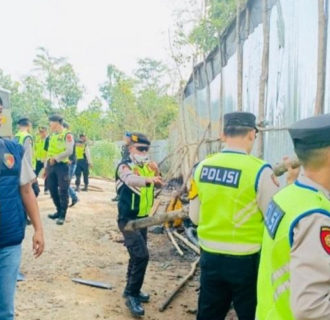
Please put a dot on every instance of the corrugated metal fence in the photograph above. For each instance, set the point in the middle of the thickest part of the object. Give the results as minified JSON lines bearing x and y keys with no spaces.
{"x":291,"y":84}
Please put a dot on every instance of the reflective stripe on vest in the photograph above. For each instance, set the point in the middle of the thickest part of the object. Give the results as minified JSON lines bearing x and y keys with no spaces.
{"x":230,"y":221}
{"x":57,"y":145}
{"x":287,"y":208}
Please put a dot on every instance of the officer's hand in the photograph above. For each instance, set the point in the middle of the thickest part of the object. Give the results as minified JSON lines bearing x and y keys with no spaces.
{"x":292,"y":173}
{"x":153,"y":166}
{"x":157,"y":181}
{"x":38,"y":243}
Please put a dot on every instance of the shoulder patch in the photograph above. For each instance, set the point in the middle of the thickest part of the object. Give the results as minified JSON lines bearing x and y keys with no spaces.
{"x":325,"y":238}
{"x":219,"y":175}
{"x":274,"y":216}
{"x":9,"y":160}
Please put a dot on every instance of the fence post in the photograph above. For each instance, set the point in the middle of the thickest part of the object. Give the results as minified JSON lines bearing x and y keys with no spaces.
{"x":264,"y":76}
{"x":321,"y":56}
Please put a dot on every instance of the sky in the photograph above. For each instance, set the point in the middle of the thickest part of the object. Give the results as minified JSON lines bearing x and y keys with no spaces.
{"x":90,"y":33}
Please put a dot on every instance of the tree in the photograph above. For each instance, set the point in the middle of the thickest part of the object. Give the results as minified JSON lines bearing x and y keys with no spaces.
{"x":151,"y":74}
{"x":59,"y":79}
{"x":26,"y":99}
{"x":114,"y":75}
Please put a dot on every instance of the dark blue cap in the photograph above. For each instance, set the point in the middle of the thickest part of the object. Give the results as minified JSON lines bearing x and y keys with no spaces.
{"x":311,"y":133}
{"x":240,"y":119}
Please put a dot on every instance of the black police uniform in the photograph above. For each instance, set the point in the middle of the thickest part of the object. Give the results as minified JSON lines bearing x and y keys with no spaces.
{"x":135,"y":241}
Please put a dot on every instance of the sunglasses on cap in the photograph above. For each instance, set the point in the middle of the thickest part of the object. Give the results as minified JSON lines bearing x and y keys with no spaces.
{"x":142,"y":148}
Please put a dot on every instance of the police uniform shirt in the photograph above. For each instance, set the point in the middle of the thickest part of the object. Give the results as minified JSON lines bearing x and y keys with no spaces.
{"x":69,"y":144}
{"x":88,"y":155}
{"x":310,"y":264}
{"x":130,"y":178}
{"x":267,"y":187}
{"x":28,"y":149}
{"x":27,"y":174}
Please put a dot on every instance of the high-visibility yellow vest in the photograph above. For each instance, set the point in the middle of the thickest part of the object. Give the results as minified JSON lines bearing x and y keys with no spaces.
{"x":21,"y":136}
{"x":40,"y":152}
{"x":146,"y":193}
{"x":80,"y":150}
{"x":136,"y":202}
{"x":230,"y":221}
{"x":288,"y":207}
{"x":57,"y":145}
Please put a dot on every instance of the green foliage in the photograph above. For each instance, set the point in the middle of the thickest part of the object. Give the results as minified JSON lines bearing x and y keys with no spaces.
{"x":59,"y":79}
{"x":205,"y":34}
{"x":139,"y":103}
{"x":26,"y":99}
{"x":105,"y":156}
{"x":151,"y":73}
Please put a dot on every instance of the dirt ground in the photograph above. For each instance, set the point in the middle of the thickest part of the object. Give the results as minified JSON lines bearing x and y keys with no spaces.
{"x":88,"y":246}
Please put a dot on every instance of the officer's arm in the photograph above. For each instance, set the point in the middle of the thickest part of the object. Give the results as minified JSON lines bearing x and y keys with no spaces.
{"x":130,"y":178}
{"x":194,"y":203}
{"x":88,"y":155}
{"x":267,"y":186}
{"x":31,"y":206}
{"x":310,"y":269}
{"x":69,"y":143}
{"x":28,"y":151}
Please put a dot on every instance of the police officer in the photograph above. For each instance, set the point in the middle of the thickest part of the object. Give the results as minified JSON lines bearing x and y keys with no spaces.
{"x":83,"y":161}
{"x":60,"y":148}
{"x":72,"y":170}
{"x":233,"y":191}
{"x":124,"y":154}
{"x":24,"y":138}
{"x":16,"y":198}
{"x":135,"y":182}
{"x":294,"y":274}
{"x":40,"y":152}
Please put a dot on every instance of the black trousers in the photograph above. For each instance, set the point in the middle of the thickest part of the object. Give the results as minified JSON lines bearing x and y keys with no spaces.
{"x":58,"y":185}
{"x":136,"y":244}
{"x":39,"y":167}
{"x":82,"y":168}
{"x":226,"y":279}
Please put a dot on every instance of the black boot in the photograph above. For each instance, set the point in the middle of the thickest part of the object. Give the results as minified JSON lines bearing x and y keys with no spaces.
{"x":143,"y":297}
{"x":61,"y":219}
{"x":85,"y":188}
{"x":134,"y":305}
{"x":74,"y":201}
{"x":54,"y":216}
{"x":77,"y":189}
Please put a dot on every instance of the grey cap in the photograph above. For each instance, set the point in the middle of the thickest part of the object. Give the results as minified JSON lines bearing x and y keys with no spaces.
{"x":240,"y":119}
{"x":311,"y":133}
